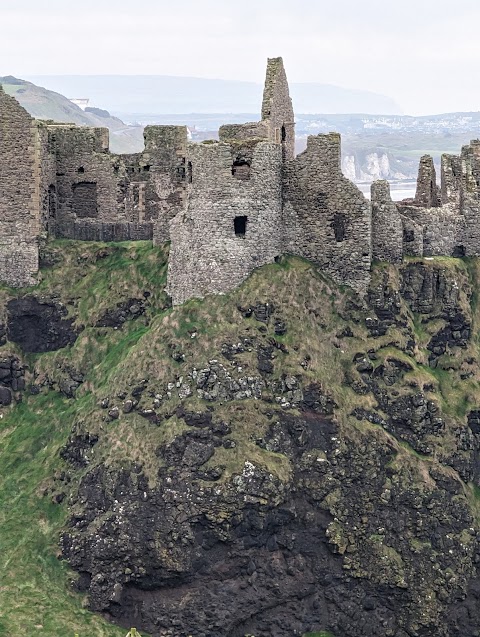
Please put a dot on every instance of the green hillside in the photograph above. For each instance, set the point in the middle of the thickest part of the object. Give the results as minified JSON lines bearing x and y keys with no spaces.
{"x":44,"y":104}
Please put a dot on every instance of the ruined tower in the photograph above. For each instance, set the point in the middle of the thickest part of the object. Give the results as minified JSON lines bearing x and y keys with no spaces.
{"x":232,"y":222}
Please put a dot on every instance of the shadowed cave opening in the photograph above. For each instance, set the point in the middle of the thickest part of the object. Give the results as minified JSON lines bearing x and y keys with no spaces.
{"x":240,"y":226}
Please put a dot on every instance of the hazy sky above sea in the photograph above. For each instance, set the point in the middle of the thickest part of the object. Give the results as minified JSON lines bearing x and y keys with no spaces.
{"x":423,"y":53}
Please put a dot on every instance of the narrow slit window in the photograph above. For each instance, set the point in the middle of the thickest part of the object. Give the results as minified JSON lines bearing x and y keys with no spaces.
{"x":240,"y":226}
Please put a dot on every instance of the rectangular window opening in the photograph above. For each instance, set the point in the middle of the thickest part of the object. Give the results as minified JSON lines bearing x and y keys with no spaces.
{"x":240,"y":226}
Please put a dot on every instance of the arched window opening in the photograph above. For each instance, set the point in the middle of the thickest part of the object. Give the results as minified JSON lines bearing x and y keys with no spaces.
{"x":284,"y":133}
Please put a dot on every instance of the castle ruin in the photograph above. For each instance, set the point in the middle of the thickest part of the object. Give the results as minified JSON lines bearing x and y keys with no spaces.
{"x":227,"y":207}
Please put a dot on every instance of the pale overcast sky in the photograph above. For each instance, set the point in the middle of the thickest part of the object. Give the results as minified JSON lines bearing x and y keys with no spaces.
{"x":423,"y":53}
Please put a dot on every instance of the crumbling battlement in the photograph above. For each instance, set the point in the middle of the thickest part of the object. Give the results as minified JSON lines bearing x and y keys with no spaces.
{"x":278,"y":121}
{"x":98,"y":193}
{"x":227,"y":207}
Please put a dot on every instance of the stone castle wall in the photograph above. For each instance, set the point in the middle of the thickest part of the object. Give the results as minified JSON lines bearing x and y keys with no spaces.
{"x":387,"y":226}
{"x":231,"y":224}
{"x":20,"y":183}
{"x":439,"y":221}
{"x":326,"y":218}
{"x":100,"y":195}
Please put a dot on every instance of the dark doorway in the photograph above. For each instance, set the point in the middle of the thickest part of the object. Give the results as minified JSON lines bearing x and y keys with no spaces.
{"x":458,"y":252}
{"x":240,"y":226}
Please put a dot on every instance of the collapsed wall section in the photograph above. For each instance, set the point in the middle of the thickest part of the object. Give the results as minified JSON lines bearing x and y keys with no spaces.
{"x":326,"y":218}
{"x":231,"y":224}
{"x":20,"y":181}
{"x":278,"y":121}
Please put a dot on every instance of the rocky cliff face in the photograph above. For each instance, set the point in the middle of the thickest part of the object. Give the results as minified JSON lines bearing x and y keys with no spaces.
{"x":287,"y":459}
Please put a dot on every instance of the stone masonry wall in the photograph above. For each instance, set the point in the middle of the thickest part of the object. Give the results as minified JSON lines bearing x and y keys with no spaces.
{"x":20,"y":158}
{"x":278,"y":120}
{"x":435,"y":231}
{"x":243,"y":131}
{"x":232,"y":221}
{"x":106,"y":193}
{"x":387,"y":227}
{"x":326,"y":218}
